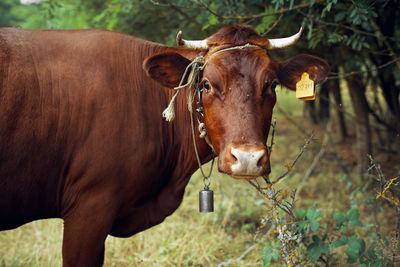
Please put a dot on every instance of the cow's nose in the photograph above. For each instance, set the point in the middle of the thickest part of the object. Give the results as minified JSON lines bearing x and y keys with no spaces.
{"x":249,"y":161}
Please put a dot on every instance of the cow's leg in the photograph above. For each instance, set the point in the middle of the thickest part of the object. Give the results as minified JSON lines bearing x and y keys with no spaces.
{"x":85,"y":231}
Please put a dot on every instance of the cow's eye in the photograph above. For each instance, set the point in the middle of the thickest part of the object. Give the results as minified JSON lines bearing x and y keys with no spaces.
{"x":273,"y":86}
{"x":206,"y":85}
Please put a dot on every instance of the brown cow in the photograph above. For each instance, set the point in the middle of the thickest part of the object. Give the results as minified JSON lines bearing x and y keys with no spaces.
{"x":82,"y":137}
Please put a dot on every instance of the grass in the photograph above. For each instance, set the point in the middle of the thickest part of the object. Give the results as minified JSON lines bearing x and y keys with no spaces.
{"x":188,"y":238}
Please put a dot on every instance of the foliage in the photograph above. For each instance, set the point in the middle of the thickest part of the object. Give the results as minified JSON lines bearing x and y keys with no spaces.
{"x":322,"y":243}
{"x":271,"y":253}
{"x":6,"y":19}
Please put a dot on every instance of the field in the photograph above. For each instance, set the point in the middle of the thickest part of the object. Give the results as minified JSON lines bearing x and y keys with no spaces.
{"x":189,"y":238}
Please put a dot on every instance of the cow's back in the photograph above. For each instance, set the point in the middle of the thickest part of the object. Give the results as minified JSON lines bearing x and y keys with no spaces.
{"x":68,"y":103}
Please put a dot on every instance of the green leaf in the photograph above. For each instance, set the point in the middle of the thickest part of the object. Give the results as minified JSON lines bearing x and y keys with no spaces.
{"x":266,"y":21}
{"x":266,"y":251}
{"x":338,"y":217}
{"x":316,"y":239}
{"x":317,"y":214}
{"x":310,"y":213}
{"x":266,"y":260}
{"x":313,"y":214}
{"x":315,"y":250}
{"x":275,"y":254}
{"x":212,"y":19}
{"x":334,"y":38}
{"x":368,"y":226}
{"x":247,"y":227}
{"x":354,"y":249}
{"x":324,"y":237}
{"x":314,"y":226}
{"x":303,"y":226}
{"x":316,"y":39}
{"x":325,"y":248}
{"x":205,"y":26}
{"x":352,"y":214}
{"x":371,"y":251}
{"x":353,"y":13}
{"x":300,"y":214}
{"x":338,"y":243}
{"x":328,"y":7}
{"x":362,"y":245}
{"x":213,"y":7}
{"x":310,"y":31}
{"x":291,"y":4}
{"x":355,"y":223}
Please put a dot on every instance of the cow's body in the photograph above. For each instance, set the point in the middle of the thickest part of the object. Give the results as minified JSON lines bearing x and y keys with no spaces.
{"x":82,"y":137}
{"x":82,"y":134}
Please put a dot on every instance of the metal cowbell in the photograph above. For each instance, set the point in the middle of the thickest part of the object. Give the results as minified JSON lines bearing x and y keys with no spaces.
{"x":206,"y":200}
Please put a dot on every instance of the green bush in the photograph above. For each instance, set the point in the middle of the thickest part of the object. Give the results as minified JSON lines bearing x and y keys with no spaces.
{"x":322,"y":241}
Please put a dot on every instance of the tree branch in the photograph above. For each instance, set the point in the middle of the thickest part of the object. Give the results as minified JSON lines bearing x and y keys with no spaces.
{"x":340,"y":76}
{"x":317,"y":157}
{"x":301,"y":129}
{"x":281,"y":11}
{"x":241,"y":257}
{"x":290,"y":167}
{"x":386,"y":42}
{"x":179,"y":10}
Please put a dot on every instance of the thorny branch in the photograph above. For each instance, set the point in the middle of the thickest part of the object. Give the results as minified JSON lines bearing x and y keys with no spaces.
{"x":283,"y":229}
{"x":273,"y":126}
{"x":386,"y":189}
{"x":290,"y":167}
{"x":284,"y":236}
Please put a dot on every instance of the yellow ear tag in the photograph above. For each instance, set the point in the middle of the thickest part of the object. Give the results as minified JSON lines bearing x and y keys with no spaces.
{"x":305,"y":89}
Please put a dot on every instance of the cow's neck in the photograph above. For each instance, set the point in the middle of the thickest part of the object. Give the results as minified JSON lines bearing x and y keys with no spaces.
{"x":183,"y":132}
{"x":182,"y":164}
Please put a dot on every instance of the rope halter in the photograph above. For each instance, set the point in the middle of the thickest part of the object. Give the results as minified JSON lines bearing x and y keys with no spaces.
{"x":194,"y":68}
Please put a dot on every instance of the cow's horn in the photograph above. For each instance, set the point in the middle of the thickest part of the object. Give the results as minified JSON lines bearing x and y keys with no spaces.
{"x":284,"y":42}
{"x":195,"y":45}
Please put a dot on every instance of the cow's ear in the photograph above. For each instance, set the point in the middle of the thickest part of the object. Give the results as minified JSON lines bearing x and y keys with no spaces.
{"x":291,"y":70}
{"x":166,"y":68}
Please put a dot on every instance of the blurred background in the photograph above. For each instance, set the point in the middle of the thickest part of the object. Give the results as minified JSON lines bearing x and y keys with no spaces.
{"x":346,"y":210}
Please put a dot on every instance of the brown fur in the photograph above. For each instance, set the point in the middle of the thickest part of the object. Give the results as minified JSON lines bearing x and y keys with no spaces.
{"x":237,"y":35}
{"x":82,"y":136}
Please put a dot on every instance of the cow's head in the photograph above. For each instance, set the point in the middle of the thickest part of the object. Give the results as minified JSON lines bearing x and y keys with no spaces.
{"x":238,"y":91}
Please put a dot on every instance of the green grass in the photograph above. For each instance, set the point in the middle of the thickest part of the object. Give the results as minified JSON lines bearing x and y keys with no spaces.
{"x":189,"y":238}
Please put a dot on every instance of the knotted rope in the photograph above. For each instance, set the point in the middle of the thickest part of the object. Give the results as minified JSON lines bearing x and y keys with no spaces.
{"x":194,"y":67}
